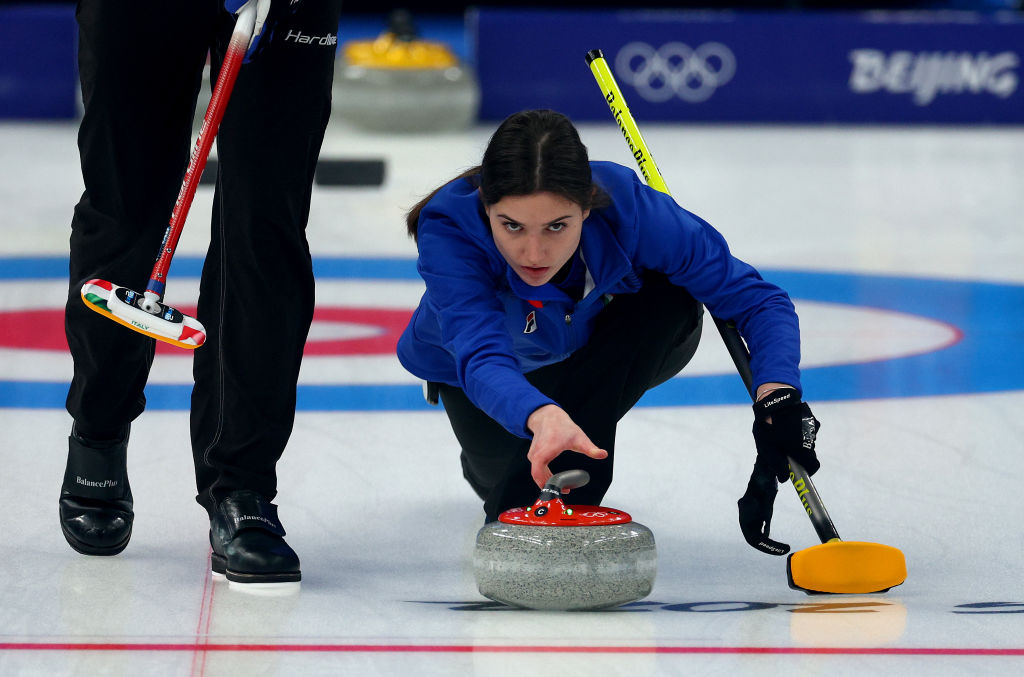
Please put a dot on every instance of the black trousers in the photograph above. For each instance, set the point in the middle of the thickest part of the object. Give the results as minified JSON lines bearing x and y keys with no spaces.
{"x":639,"y":341}
{"x":140,"y":66}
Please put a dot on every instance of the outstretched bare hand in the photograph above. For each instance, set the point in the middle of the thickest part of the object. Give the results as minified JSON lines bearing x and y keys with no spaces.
{"x":554,"y":432}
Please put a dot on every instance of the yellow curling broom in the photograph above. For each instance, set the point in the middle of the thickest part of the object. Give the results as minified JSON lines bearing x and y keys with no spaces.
{"x":145,"y":313}
{"x":835,"y":566}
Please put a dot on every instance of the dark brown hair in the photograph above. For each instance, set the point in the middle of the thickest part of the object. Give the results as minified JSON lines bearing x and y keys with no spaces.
{"x":532,"y":151}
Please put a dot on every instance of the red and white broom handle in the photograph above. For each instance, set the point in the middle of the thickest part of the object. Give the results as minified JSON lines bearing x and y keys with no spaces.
{"x":237,"y":47}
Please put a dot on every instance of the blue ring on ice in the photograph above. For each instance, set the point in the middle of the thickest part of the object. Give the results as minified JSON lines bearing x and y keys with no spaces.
{"x":988,"y":357}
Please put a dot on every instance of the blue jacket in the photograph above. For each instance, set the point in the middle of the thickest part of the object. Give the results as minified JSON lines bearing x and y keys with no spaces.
{"x":468,"y":330}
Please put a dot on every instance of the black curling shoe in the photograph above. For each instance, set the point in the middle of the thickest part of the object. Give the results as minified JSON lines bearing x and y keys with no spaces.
{"x":95,"y":500}
{"x":248,"y":541}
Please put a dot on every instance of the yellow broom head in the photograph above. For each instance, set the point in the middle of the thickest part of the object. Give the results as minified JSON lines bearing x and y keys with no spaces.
{"x":847,"y":567}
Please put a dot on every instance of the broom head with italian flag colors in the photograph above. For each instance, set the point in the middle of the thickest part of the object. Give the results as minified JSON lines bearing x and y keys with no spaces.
{"x":124,"y":306}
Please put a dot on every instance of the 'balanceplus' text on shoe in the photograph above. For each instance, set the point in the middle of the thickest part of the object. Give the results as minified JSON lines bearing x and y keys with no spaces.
{"x":258,"y":518}
{"x":101,"y":485}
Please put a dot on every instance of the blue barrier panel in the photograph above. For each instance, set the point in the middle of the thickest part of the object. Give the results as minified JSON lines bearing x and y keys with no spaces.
{"x":38,"y":75}
{"x":851,"y":67}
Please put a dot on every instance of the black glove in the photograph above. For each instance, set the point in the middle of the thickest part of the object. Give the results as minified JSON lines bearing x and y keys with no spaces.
{"x":756,"y":510}
{"x":790,"y":434}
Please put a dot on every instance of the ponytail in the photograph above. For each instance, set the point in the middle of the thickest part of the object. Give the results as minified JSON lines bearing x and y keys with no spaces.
{"x":412,"y":219}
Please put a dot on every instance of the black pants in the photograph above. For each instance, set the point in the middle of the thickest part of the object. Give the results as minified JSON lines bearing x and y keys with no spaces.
{"x":141,"y":65}
{"x":640,"y":340}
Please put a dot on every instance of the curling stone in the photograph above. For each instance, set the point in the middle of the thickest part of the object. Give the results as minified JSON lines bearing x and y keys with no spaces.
{"x":400,"y":83}
{"x":564,"y":557}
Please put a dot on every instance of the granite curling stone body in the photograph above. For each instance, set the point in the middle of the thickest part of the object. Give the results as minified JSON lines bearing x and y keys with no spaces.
{"x":564,"y":557}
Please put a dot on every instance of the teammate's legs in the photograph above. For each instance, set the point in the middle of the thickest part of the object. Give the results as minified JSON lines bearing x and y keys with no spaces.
{"x":139,"y":85}
{"x":256,"y":293}
{"x":140,"y":68}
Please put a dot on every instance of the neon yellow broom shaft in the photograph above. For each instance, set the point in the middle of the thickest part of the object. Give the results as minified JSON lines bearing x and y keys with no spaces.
{"x":620,"y":111}
{"x":805,"y":489}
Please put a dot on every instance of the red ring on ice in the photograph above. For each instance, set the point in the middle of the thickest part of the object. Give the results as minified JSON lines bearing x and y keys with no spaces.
{"x":44,"y":330}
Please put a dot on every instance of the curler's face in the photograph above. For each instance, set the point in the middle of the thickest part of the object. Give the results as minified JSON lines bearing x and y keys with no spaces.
{"x":536,"y":233}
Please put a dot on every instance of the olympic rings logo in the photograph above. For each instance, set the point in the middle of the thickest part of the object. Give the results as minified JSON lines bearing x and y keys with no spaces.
{"x":674,"y":69}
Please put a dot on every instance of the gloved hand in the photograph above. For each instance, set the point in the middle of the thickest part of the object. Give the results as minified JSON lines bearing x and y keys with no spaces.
{"x":791,"y":433}
{"x":756,"y":507}
{"x":268,"y":14}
